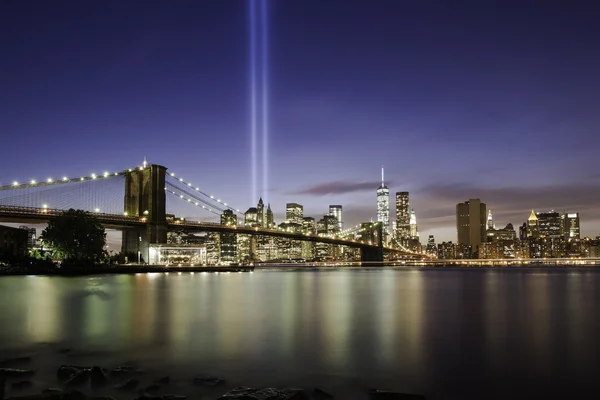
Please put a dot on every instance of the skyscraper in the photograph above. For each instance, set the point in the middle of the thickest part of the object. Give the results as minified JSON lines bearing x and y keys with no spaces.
{"x":402,"y":217}
{"x":549,"y":224}
{"x":414,"y":230}
{"x":490,"y":221}
{"x":570,"y":226}
{"x":533,"y":226}
{"x":336,"y":211}
{"x":228,"y":240}
{"x":260,"y":213}
{"x":269,"y":220}
{"x":471,"y":223}
{"x":383,"y":207}
{"x":294,"y":213}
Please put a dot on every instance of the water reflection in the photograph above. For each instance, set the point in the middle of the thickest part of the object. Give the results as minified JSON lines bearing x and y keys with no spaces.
{"x":448,"y":333}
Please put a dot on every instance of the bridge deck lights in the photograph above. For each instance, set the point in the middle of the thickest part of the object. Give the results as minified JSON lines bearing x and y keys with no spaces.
{"x":97,"y":210}
{"x":15,"y":183}
{"x":65,"y":179}
{"x":49,"y":180}
{"x":33,"y":182}
{"x":94,"y":176}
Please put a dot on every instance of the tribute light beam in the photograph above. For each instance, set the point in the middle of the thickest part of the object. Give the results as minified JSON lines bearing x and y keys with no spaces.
{"x":265,"y":101}
{"x":253,"y":98}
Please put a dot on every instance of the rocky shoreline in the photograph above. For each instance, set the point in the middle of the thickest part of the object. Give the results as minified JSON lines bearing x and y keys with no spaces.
{"x":131,"y":382}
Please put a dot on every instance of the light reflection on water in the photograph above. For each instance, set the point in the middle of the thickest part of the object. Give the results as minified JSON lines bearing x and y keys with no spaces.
{"x":444,"y":333}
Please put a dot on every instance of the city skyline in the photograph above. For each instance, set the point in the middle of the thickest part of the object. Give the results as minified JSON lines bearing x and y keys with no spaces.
{"x":450,"y":114}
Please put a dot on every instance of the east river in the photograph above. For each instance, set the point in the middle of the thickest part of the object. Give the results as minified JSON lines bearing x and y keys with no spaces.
{"x":444,"y":333}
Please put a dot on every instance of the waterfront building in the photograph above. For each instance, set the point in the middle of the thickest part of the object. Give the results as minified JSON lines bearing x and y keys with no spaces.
{"x":471,"y":223}
{"x":336,"y":211}
{"x":294,"y":213}
{"x":13,"y":241}
{"x":308,"y":228}
{"x":570,"y":226}
{"x":431,"y":248}
{"x":383,"y":207}
{"x":402,"y":217}
{"x":446,"y":251}
{"x":31,"y":237}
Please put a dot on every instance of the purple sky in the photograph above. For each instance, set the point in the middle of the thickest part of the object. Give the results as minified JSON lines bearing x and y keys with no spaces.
{"x":497,"y":100}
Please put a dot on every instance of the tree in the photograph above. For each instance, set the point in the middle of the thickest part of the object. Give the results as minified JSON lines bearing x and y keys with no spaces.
{"x":76,"y":235}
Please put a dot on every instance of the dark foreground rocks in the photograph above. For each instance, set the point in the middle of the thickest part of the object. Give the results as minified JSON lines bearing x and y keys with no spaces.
{"x":126,"y":382}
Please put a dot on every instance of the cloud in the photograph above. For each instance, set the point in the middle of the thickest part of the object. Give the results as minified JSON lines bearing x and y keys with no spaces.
{"x":338,"y":187}
{"x":436,"y":204}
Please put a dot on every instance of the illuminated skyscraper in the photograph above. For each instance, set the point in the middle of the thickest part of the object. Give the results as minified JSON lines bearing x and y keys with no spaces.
{"x":490,"y":221}
{"x":570,"y":226}
{"x":402,"y":217}
{"x":269,"y":220}
{"x":549,"y":224}
{"x":414,"y":230}
{"x":533,"y":226}
{"x":294,"y":213}
{"x":383,"y":207}
{"x":260,"y":213}
{"x":471,"y":223}
{"x":336,"y":211}
{"x":228,"y":240}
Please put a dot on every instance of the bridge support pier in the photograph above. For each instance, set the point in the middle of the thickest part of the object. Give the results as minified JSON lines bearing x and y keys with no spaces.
{"x":371,"y":254}
{"x":145,"y":198}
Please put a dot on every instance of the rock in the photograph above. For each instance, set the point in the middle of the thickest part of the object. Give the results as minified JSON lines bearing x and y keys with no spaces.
{"x":207,"y":380}
{"x":79,"y":378}
{"x":12,"y":361}
{"x":21,"y":385}
{"x":122,"y":371}
{"x":54,"y":391}
{"x":319,"y":394}
{"x":163,"y":381}
{"x":246,"y":393}
{"x":41,"y":396}
{"x":97,"y":377}
{"x":384,"y":395}
{"x":74,"y":395}
{"x":66,"y":372}
{"x":103,"y":398}
{"x":173,"y":397}
{"x":15,"y":372}
{"x":2,"y":382}
{"x":152,"y":389}
{"x":129,"y":384}
{"x":65,"y":350}
{"x":148,"y":397}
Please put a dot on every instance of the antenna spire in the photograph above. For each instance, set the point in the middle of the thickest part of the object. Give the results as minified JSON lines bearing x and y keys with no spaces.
{"x":145,"y":163}
{"x":382,"y":184}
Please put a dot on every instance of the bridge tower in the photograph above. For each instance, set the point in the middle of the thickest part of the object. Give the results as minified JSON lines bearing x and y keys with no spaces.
{"x":370,"y":254}
{"x":145,"y":198}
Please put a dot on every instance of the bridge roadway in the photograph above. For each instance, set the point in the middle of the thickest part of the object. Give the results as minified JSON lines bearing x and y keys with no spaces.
{"x":15,"y":214}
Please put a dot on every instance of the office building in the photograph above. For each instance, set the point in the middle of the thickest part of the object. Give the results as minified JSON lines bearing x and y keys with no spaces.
{"x":294,"y":213}
{"x":490,"y":221}
{"x":402,"y":216}
{"x":570,"y":226}
{"x":269,"y":219}
{"x":414,"y":230}
{"x":383,"y":207}
{"x":336,"y":211}
{"x":549,"y":224}
{"x":471,"y":223}
{"x":251,"y":218}
{"x":533,"y":227}
{"x":261,"y":217}
{"x":228,"y":240}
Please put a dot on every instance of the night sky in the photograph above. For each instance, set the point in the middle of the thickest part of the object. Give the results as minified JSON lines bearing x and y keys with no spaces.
{"x":489,"y":99}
